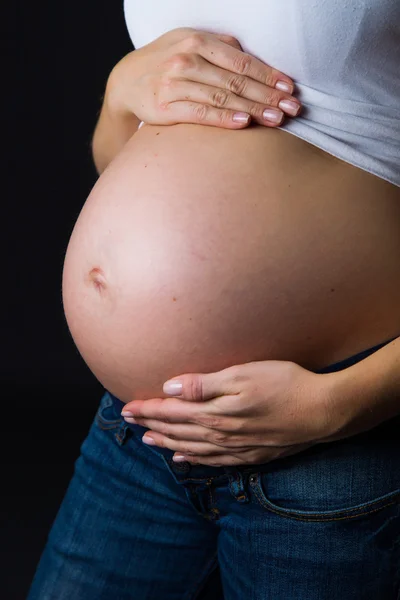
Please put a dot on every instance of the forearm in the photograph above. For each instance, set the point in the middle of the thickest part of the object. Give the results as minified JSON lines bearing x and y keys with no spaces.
{"x":367,"y":393}
{"x":113,"y":130}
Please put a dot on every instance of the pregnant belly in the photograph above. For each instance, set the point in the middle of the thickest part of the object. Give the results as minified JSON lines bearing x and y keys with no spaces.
{"x":200,"y":248}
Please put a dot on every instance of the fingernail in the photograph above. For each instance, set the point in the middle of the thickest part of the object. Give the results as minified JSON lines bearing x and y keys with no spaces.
{"x":270,"y":114}
{"x":241,"y":117}
{"x":148,"y":440}
{"x":284,"y":87}
{"x":289,"y":106}
{"x":179,"y":458}
{"x":126,"y":413}
{"x":130,"y":420}
{"x":173,"y":387}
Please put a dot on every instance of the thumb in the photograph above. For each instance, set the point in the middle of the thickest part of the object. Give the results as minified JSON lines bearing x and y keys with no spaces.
{"x":197,"y":387}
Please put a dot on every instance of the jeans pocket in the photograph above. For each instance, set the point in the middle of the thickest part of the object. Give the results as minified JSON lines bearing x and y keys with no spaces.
{"x":342,"y":482}
{"x":107,"y":416}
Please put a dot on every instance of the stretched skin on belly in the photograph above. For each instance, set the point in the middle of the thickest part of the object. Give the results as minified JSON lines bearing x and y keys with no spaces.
{"x":202,"y":248}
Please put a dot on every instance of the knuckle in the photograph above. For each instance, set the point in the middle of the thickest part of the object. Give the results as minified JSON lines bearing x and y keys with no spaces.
{"x":270,"y":78}
{"x":230,"y":39}
{"x":195,"y":387}
{"x":166,"y":420}
{"x":182,"y":31}
{"x":242,"y":63}
{"x":180,"y":62}
{"x":166,"y":81}
{"x":238,"y":378}
{"x":186,"y":453}
{"x":166,"y":90}
{"x":270,"y":98}
{"x":220,"y":98}
{"x":220,"y":438}
{"x":200,"y":112}
{"x":194,"y":41}
{"x":237,"y":84}
{"x":224,"y":116}
{"x":236,"y":426}
{"x":256,"y":112}
{"x":163,"y":105}
{"x":235,"y":376}
{"x":163,"y":99}
{"x":211,"y":421}
{"x":232,"y":371}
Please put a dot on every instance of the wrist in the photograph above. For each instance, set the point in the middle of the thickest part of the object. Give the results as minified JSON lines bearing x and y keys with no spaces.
{"x":350,"y":396}
{"x":115,"y":104}
{"x":361,"y":397}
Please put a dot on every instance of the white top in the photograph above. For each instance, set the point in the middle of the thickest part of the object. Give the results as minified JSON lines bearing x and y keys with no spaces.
{"x":343,"y":55}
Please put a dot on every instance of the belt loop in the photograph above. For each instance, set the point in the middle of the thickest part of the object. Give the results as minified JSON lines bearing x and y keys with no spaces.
{"x":123,"y":433}
{"x":237,"y":483}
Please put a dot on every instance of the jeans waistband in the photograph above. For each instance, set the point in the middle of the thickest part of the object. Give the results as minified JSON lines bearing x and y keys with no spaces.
{"x":343,"y":364}
{"x":352,"y":360}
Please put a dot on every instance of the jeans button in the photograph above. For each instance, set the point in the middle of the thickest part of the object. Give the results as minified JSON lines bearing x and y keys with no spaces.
{"x":253,"y":478}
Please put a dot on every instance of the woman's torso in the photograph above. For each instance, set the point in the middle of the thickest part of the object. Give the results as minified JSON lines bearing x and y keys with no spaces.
{"x":343,"y":56}
{"x":200,"y":248}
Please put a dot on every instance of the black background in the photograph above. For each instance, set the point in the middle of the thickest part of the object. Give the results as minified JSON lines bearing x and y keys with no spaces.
{"x":57,"y":60}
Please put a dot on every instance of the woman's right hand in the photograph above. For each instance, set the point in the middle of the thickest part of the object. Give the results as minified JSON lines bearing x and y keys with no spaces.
{"x":191,"y":76}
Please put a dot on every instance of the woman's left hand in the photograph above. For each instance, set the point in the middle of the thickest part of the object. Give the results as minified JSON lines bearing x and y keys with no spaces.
{"x":245,"y":414}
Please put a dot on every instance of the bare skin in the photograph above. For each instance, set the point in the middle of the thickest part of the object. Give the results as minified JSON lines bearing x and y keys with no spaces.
{"x":202,"y":247}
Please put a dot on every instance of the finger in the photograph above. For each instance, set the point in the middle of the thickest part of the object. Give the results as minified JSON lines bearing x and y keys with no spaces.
{"x":175,"y":431}
{"x":228,"y":39}
{"x":169,"y":410}
{"x":226,"y":384}
{"x":230,"y":86}
{"x":214,"y":461}
{"x":203,"y":114}
{"x":184,"y":446}
{"x":224,"y":100}
{"x":220,"y":460}
{"x":194,"y":432}
{"x":232,"y":59}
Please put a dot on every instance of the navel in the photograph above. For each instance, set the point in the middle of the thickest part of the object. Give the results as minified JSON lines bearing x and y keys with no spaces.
{"x":97,"y":279}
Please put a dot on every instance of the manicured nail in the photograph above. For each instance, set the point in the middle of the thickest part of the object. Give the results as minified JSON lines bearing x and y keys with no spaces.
{"x":173,"y":387}
{"x":148,"y":440}
{"x":241,"y":117}
{"x":130,"y":420}
{"x":284,"y":87}
{"x":126,"y":413}
{"x":179,"y":458}
{"x":290,"y":107}
{"x":270,"y":114}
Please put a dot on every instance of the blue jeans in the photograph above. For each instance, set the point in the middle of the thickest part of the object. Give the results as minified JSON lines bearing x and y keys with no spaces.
{"x":323,"y":524}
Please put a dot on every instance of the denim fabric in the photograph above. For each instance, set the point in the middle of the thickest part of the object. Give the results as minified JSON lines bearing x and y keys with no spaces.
{"x":321,"y":524}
